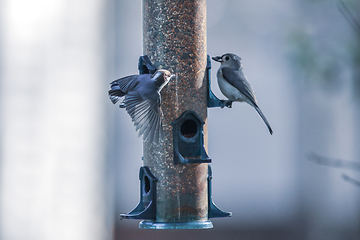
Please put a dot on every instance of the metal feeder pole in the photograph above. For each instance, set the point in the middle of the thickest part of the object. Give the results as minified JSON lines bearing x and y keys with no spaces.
{"x":174,"y":38}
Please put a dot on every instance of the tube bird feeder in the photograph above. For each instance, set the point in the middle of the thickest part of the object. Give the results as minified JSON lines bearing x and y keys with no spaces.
{"x":175,"y":179}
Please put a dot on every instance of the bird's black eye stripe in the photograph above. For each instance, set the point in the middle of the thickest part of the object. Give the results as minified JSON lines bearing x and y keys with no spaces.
{"x":227,"y":58}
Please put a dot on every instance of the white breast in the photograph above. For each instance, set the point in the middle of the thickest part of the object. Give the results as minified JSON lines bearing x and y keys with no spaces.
{"x":232,"y":93}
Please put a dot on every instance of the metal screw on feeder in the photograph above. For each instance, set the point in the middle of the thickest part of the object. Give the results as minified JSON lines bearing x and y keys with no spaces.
{"x":175,"y":181}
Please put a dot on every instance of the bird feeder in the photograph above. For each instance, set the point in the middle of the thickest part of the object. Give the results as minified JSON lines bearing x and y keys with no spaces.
{"x":175,"y":179}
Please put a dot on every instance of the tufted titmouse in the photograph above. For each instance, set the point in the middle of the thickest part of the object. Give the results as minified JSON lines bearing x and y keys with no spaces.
{"x":141,"y":98}
{"x":233,"y":83}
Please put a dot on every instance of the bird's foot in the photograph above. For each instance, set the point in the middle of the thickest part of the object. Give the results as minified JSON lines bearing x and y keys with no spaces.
{"x":226,"y":103}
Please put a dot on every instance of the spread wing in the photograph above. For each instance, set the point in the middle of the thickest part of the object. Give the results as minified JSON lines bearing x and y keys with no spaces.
{"x":145,"y":114}
{"x":240,"y":82}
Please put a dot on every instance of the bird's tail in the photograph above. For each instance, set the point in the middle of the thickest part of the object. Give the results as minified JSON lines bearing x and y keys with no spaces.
{"x":115,"y":95}
{"x":264,"y":119}
{"x":119,"y":88}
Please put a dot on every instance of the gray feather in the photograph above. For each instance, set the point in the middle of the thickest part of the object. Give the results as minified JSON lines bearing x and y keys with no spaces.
{"x":264,"y":119}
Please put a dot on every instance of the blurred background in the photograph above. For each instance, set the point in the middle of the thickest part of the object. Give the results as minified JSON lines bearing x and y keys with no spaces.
{"x":69,"y":159}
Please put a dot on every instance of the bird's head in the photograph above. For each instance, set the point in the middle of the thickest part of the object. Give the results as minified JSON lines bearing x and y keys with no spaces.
{"x":229,"y":60}
{"x":162,"y":77}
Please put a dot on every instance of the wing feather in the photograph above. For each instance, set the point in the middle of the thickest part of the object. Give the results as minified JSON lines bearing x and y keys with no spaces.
{"x":239,"y":82}
{"x":145,"y":114}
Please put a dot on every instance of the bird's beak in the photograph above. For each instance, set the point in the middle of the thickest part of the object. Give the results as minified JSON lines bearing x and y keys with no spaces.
{"x":217,"y":58}
{"x":172,"y":76}
{"x":168,"y":79}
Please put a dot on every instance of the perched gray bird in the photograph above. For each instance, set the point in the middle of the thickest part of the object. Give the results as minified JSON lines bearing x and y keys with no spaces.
{"x":140,"y":94}
{"x":233,"y":83}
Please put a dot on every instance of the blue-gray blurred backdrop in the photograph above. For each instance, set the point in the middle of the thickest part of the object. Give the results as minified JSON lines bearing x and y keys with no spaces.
{"x":69,"y":159}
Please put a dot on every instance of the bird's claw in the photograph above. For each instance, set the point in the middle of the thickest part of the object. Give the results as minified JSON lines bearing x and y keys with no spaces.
{"x":225,"y":103}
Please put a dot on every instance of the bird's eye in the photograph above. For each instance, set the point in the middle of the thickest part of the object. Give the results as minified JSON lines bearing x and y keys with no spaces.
{"x":227,"y":58}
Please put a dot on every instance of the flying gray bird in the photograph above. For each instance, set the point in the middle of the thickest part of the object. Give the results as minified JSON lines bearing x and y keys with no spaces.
{"x":233,"y":83}
{"x":140,"y":95}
